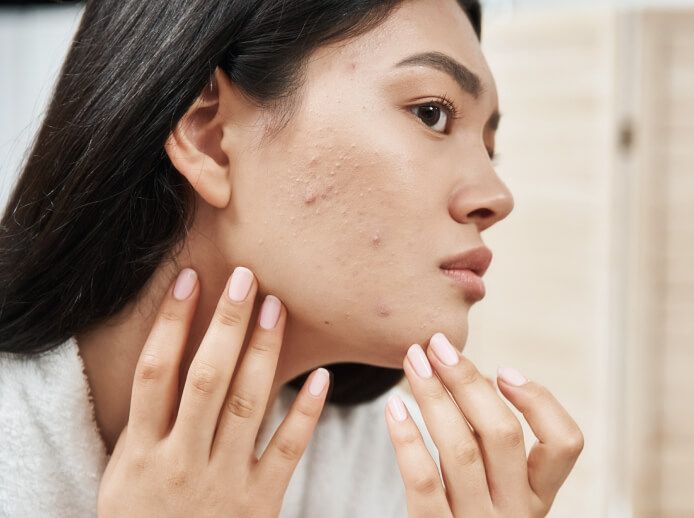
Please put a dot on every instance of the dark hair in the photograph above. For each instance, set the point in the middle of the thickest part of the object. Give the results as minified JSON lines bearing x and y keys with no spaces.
{"x":98,"y":205}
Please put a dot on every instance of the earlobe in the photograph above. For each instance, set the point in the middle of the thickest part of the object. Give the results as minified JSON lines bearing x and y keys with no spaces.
{"x":195,"y":148}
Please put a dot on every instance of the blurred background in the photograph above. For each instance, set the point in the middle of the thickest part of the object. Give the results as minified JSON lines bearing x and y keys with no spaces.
{"x":591,"y":291}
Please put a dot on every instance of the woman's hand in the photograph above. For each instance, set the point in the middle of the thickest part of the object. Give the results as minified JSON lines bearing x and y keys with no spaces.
{"x":200,"y":460}
{"x":485,"y":470}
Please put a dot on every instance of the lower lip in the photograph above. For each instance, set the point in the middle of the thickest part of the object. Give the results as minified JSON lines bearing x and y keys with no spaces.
{"x":469,"y":281}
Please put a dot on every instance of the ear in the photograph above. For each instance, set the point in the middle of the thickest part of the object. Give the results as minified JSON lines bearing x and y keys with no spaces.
{"x":195,"y":145}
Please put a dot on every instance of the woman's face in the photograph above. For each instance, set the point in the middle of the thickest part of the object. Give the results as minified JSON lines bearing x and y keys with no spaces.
{"x":348,"y":212}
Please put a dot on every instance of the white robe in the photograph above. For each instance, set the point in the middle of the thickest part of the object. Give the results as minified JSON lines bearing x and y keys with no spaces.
{"x":52,"y":456}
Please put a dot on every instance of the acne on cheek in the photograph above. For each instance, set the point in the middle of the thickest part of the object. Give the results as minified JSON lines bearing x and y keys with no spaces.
{"x":383,"y":309}
{"x":329,"y":171}
{"x":312,"y":193}
{"x":325,"y":187}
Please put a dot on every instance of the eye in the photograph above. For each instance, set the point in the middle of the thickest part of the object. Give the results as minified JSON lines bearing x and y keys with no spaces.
{"x":436,"y":114}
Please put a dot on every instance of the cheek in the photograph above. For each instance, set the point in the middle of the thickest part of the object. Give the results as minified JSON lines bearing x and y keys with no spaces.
{"x":341,"y":242}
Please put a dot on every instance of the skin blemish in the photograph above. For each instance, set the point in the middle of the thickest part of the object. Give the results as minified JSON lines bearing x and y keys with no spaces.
{"x":375,"y":240}
{"x":383,"y":310}
{"x":327,"y":191}
{"x":309,"y":197}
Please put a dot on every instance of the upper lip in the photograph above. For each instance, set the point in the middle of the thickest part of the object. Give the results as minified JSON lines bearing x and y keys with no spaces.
{"x":475,"y":259}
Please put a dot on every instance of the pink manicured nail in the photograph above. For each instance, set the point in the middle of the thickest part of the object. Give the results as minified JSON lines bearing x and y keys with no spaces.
{"x":511,"y":376}
{"x":419,"y":361}
{"x":319,"y":381}
{"x":444,"y":349}
{"x":185,"y":283}
{"x":241,"y":281}
{"x":269,"y":312}
{"x":397,"y":408}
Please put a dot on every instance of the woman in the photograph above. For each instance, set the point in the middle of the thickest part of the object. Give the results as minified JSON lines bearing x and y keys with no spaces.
{"x":337,"y":157}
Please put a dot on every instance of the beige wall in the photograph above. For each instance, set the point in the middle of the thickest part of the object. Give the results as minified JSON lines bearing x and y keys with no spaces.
{"x":665,"y":165}
{"x":590,"y":291}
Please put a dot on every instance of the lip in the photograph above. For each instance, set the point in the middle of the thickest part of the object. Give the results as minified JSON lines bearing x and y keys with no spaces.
{"x":466,"y":270}
{"x":476,"y":259}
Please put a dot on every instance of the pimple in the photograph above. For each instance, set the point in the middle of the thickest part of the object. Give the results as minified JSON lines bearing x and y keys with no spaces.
{"x":309,"y":197}
{"x":375,"y":240}
{"x":383,"y":310}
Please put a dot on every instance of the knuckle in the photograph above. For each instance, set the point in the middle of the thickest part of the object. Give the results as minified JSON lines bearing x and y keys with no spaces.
{"x":150,"y":367}
{"x":536,"y":391}
{"x":241,"y":405}
{"x":574,"y":444}
{"x":139,"y":460}
{"x":409,"y":438}
{"x":426,"y":484}
{"x":261,"y":347}
{"x":466,"y":454}
{"x":434,"y":390}
{"x":203,"y":377}
{"x":169,"y":316}
{"x":229,"y":315}
{"x":467,"y":374}
{"x":306,"y":409}
{"x":177,"y":478}
{"x":508,"y":436}
{"x":287,"y":449}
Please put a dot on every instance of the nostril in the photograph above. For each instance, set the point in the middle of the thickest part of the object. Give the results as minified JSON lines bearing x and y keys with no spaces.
{"x":481,"y":213}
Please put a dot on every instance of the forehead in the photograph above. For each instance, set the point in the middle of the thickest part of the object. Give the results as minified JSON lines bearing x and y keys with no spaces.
{"x":413,"y":27}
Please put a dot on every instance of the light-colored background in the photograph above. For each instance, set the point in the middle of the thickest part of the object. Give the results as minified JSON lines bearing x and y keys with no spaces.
{"x":591,"y":289}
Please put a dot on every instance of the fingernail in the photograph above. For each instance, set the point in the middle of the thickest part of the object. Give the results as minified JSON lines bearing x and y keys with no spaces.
{"x":269,"y":312}
{"x":397,"y":408}
{"x":511,"y":376}
{"x":185,"y":283}
{"x":240,"y":285}
{"x":443,"y":349}
{"x":318,"y":381}
{"x":419,"y":361}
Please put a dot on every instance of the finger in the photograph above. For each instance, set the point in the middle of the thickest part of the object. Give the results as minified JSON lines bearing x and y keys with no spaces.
{"x":116,"y":454}
{"x":155,"y":384}
{"x":464,"y":463}
{"x":499,"y":431}
{"x":247,"y":398}
{"x":277,"y":463}
{"x":212,"y":367}
{"x":560,"y":440}
{"x":424,"y":490}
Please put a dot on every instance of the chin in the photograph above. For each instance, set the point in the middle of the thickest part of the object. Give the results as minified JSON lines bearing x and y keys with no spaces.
{"x":457,"y":334}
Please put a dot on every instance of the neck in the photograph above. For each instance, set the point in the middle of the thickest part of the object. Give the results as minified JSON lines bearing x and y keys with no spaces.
{"x":110,"y":350}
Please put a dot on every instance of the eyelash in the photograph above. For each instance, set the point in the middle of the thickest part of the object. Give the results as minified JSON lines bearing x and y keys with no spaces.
{"x":445,"y":102}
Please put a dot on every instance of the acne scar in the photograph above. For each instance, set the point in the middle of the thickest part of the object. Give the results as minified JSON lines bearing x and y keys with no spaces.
{"x":383,"y":310}
{"x":327,"y":190}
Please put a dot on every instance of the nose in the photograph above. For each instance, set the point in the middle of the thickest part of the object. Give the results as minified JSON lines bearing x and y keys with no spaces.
{"x":481,"y":198}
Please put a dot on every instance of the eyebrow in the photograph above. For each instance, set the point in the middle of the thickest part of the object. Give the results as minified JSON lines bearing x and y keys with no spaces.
{"x":466,"y":79}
